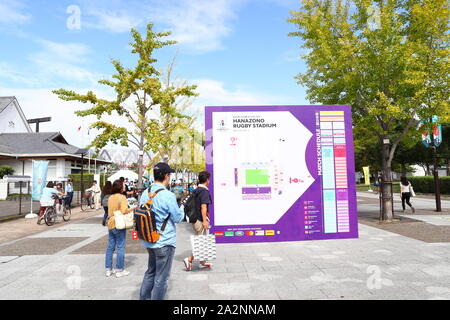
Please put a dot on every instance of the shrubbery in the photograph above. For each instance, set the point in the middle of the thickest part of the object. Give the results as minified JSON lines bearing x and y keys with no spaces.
{"x":426,"y":184}
{"x":6,"y":171}
{"x":87,"y":180}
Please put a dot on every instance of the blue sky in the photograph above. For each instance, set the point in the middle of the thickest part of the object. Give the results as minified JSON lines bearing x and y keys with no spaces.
{"x":237,"y":51}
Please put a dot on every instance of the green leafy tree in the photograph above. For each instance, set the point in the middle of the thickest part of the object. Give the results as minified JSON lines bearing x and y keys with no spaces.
{"x":138,"y":91}
{"x":175,"y":123}
{"x":386,"y":58}
{"x":6,"y":171}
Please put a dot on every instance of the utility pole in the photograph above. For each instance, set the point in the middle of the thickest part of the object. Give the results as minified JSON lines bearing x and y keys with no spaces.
{"x":437,"y":187}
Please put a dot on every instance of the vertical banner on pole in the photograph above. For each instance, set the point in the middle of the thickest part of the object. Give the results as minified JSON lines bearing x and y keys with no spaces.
{"x":366,"y":176}
{"x":40,"y":169}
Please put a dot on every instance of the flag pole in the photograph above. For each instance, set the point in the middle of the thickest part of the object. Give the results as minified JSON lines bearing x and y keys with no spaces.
{"x":31,"y":215}
{"x":32,"y":181}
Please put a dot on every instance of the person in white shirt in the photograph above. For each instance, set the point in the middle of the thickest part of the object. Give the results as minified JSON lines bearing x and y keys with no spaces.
{"x":96,"y":191}
{"x":405,"y":190}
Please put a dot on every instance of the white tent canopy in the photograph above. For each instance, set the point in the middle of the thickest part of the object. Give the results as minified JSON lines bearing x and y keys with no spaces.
{"x":131,"y":175}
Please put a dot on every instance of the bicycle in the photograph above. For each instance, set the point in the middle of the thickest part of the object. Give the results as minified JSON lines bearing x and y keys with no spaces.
{"x":51,"y":215}
{"x":87,"y":201}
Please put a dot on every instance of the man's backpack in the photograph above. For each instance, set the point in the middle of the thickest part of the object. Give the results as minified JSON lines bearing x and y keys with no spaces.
{"x":190,"y":209}
{"x":145,"y":221}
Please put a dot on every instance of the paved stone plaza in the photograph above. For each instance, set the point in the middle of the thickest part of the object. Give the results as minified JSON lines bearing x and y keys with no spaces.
{"x":67,"y":262}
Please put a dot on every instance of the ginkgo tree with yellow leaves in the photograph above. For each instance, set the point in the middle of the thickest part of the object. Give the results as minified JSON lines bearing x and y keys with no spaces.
{"x":389,"y":59}
{"x":138,"y":92}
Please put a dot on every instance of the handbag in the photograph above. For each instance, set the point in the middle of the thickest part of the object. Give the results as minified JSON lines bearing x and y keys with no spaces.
{"x":123,"y":221}
{"x":204,"y":247}
{"x":411,"y":190}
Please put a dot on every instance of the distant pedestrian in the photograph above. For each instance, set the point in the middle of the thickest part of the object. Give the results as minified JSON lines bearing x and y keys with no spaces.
{"x":59,"y":201}
{"x":106,"y":193}
{"x":116,"y":238}
{"x":192,"y":187}
{"x":406,"y":192}
{"x":160,"y":253}
{"x":202,"y":200}
{"x":178,"y":191}
{"x":69,"y":192}
{"x":96,"y":191}
{"x":377,"y":184}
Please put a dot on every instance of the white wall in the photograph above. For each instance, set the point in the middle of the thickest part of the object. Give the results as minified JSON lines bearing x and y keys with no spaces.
{"x":3,"y":190}
{"x":10,"y":120}
{"x":58,"y":170}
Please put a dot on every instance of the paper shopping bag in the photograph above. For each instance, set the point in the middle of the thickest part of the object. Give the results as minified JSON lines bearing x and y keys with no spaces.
{"x":204,"y":247}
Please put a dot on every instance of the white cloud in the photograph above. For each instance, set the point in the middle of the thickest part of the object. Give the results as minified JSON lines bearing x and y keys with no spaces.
{"x":11,"y":13}
{"x":200,"y":25}
{"x":53,"y":63}
{"x":56,"y":61}
{"x":117,"y":22}
{"x":11,"y":74}
{"x":70,"y":52}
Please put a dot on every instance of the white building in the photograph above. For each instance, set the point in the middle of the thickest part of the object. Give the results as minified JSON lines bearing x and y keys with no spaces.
{"x":12,"y":119}
{"x":19,"y":146}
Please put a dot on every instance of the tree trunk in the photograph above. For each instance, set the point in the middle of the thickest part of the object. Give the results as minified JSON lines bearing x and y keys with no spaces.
{"x":386,"y":185}
{"x":403,"y":169}
{"x":141,"y":161}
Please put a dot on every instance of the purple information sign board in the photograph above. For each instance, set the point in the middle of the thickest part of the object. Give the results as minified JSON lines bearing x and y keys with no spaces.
{"x":281,"y":173}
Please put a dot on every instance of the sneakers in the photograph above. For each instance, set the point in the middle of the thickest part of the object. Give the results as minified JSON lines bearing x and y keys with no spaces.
{"x":109,"y":272}
{"x":187,"y":264}
{"x":122,"y":273}
{"x":40,"y":219}
{"x":413,"y":210}
{"x":206,"y":265}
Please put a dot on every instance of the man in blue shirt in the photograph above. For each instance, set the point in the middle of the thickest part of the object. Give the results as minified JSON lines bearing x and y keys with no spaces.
{"x":69,"y":192}
{"x":154,"y":285}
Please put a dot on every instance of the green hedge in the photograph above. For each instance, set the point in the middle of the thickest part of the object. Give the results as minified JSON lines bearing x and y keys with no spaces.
{"x":87,"y":180}
{"x":426,"y":184}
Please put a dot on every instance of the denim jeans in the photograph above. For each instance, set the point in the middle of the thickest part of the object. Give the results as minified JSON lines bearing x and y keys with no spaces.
{"x":105,"y":215}
{"x":68,"y":200}
{"x":116,"y":240}
{"x":156,"y":278}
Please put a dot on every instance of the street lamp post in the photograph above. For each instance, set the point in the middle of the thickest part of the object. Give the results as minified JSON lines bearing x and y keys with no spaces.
{"x":82,"y":151}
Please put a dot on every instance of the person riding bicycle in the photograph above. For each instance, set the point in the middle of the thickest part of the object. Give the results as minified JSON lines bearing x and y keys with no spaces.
{"x":96,"y":191}
{"x":47,"y":199}
{"x":61,"y":195}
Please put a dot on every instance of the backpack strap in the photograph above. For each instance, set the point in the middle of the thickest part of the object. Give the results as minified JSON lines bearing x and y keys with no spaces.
{"x":151,"y":197}
{"x":163,"y":227}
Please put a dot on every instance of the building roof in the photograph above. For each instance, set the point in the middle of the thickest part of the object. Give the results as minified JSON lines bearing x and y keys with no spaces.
{"x":7,"y":101}
{"x":37,"y":144}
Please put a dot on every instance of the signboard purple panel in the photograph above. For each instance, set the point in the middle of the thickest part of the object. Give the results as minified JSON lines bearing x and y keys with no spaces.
{"x":281,"y":173}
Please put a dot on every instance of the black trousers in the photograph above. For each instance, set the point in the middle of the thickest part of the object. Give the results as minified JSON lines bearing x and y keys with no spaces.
{"x":405,"y":198}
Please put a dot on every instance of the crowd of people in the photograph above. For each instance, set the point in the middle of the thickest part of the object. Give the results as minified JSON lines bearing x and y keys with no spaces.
{"x":168,"y":207}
